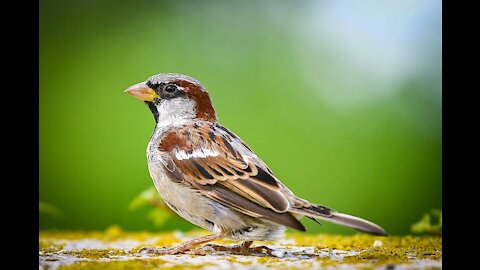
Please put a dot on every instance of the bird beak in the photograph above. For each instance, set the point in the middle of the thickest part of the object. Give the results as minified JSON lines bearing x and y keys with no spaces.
{"x":142,"y":92}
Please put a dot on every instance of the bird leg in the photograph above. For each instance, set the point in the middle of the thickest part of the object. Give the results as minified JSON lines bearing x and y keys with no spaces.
{"x":185,"y":246}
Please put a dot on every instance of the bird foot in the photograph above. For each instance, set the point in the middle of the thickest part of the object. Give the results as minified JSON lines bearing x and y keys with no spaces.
{"x":185,"y":247}
{"x":240,"y":249}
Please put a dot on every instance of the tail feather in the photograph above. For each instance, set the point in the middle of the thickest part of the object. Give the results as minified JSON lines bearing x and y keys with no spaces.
{"x":356,"y":223}
{"x":327,"y":214}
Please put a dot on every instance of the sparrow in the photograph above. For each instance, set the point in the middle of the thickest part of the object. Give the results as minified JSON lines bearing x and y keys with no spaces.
{"x":209,"y":176}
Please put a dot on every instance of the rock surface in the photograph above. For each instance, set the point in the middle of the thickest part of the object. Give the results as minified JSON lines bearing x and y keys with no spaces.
{"x":117,"y":249}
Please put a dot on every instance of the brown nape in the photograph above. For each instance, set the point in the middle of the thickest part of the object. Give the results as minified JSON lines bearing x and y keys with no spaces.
{"x":205,"y":109}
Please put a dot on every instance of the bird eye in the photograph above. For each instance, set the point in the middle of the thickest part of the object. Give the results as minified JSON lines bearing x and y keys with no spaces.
{"x":170,"y":88}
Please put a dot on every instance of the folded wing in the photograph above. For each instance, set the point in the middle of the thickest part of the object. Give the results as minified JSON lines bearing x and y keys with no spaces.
{"x":215,"y":160}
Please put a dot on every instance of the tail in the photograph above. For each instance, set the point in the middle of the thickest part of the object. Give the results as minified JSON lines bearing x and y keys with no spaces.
{"x":325,"y":213}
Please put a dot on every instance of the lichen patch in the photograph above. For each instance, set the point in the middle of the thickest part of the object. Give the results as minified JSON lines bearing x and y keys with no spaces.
{"x":117,"y":249}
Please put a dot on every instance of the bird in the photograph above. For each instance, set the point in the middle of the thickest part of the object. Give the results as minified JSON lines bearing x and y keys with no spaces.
{"x":209,"y":176}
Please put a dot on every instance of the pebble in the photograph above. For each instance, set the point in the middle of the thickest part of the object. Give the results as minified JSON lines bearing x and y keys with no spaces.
{"x":377,"y":243}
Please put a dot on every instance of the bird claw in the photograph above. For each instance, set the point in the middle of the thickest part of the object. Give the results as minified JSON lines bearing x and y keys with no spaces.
{"x":198,"y":252}
{"x":263,"y":249}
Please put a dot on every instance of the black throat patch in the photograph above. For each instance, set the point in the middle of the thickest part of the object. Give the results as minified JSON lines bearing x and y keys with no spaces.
{"x":153,"y":109}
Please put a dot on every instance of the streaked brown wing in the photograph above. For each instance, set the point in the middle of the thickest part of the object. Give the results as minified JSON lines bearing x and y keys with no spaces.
{"x":213,"y":159}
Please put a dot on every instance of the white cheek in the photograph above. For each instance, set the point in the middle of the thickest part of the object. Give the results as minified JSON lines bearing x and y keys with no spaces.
{"x":177,"y":111}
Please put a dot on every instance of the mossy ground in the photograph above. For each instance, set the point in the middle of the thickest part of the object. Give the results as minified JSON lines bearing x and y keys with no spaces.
{"x":117,"y":249}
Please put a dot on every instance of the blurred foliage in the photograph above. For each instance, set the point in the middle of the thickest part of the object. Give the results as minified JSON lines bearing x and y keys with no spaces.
{"x":159,"y":216}
{"x":342,"y":100}
{"x":48,"y":209}
{"x":149,"y":197}
{"x":431,"y":223}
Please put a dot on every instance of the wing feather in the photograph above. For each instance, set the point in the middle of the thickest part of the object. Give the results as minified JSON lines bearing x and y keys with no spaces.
{"x":215,"y":160}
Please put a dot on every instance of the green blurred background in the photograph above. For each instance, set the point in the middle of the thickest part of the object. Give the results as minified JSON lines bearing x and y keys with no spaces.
{"x":342,"y":99}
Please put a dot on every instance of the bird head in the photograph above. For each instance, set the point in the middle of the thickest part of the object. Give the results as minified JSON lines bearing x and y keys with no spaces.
{"x":174,"y":97}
